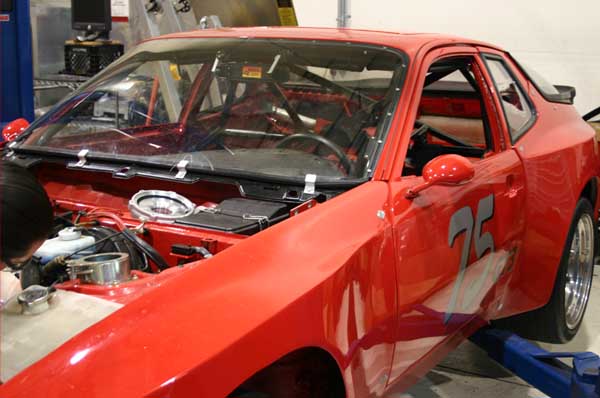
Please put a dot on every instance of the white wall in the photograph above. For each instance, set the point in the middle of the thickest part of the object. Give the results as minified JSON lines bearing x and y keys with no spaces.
{"x":558,"y":38}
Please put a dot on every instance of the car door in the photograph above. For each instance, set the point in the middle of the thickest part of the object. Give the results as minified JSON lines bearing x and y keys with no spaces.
{"x":454,"y":242}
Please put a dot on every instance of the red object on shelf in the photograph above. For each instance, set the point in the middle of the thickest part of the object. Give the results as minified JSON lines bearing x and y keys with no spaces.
{"x":13,"y":129}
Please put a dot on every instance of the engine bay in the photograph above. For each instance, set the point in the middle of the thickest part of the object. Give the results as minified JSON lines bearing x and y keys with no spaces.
{"x":114,"y":241}
{"x":118,"y":236}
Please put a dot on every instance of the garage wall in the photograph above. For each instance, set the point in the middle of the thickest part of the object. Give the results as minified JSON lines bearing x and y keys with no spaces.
{"x":560,"y":39}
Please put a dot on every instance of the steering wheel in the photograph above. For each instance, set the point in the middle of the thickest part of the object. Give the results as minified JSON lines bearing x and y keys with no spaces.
{"x":422,"y":129}
{"x":333,"y":147}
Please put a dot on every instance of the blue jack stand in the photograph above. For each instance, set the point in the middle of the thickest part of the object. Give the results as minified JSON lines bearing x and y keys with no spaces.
{"x":16,"y":64}
{"x":543,"y":369}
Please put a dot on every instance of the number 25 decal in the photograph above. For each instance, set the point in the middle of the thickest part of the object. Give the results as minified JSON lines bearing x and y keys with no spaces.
{"x":462,"y":221}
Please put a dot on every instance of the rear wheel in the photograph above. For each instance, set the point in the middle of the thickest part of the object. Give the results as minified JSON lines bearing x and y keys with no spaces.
{"x":559,"y":320}
{"x":580,"y":269}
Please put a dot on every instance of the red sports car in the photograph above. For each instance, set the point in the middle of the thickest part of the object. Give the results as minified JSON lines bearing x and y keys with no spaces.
{"x":290,"y":212}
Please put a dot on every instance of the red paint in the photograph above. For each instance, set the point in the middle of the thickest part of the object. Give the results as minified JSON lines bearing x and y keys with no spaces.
{"x":14,"y":128}
{"x":448,"y":169}
{"x":444,"y":170}
{"x":464,"y":107}
{"x":152,"y":104}
{"x":366,"y":276}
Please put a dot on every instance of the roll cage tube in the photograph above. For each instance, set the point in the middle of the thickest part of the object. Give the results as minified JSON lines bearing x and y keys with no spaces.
{"x":437,"y":74}
{"x":153,"y":101}
{"x":298,"y":123}
{"x":423,"y":128}
{"x":205,"y":77}
{"x":200,"y":87}
{"x":329,"y":84}
{"x":202,"y":84}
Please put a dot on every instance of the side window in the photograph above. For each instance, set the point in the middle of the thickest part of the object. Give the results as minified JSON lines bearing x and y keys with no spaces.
{"x":517,"y":108}
{"x":451,"y":118}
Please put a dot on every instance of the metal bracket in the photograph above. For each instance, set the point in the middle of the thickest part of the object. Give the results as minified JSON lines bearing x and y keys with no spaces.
{"x":303,"y":207}
{"x":263,"y":221}
{"x":182,"y":169}
{"x":10,"y":153}
{"x":247,"y":216}
{"x":204,"y":209}
{"x":82,"y":160}
{"x":309,"y":184}
{"x":210,"y":22}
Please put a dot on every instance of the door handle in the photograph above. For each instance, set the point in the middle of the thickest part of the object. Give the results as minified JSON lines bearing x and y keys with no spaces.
{"x":510,"y":181}
{"x":511,"y":190}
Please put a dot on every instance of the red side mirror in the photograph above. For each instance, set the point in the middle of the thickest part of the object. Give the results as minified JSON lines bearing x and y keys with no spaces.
{"x":13,"y":129}
{"x":444,"y":170}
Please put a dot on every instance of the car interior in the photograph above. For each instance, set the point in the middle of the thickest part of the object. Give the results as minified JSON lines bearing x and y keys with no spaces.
{"x":320,"y":118}
{"x":451,"y":117}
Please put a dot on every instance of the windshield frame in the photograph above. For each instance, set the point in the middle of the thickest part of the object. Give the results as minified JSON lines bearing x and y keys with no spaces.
{"x":396,"y":86}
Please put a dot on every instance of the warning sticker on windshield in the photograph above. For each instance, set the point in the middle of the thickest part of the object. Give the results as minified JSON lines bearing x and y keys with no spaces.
{"x":252,"y":72}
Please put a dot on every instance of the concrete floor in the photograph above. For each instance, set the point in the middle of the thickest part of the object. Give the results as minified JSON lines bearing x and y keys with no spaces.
{"x":468,"y":372}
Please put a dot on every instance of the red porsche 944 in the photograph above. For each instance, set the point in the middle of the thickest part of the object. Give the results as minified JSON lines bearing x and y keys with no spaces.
{"x":296,"y":212}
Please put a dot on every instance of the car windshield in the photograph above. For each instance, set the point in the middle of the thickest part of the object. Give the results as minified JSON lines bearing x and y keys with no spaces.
{"x":265,"y":107}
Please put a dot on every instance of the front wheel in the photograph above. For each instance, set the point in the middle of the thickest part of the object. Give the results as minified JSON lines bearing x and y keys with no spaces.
{"x":559,"y":320}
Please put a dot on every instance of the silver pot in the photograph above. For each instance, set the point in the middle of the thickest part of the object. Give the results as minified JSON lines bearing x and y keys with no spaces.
{"x":34,"y":300}
{"x":101,"y":269}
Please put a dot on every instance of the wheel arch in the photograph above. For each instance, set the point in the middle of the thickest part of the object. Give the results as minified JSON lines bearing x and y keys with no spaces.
{"x":590,"y":191}
{"x":309,"y":371}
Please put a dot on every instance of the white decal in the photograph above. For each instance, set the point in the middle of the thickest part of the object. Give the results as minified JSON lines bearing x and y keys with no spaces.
{"x":120,"y":8}
{"x":462,"y":221}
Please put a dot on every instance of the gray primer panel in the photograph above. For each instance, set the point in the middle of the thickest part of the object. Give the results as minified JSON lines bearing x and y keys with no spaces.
{"x":25,"y":339}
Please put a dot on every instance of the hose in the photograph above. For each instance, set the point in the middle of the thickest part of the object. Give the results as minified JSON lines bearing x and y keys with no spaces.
{"x":128,"y":234}
{"x":147,"y":249}
{"x":112,"y":216}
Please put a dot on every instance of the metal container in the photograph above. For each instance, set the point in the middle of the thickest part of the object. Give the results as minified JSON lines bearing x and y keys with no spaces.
{"x":34,"y":299}
{"x":102,"y":269}
{"x":160,"y":206}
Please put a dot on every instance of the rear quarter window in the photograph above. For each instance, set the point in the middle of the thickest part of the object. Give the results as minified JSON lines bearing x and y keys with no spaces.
{"x":517,"y":107}
{"x":540,"y":82}
{"x":551,"y":92}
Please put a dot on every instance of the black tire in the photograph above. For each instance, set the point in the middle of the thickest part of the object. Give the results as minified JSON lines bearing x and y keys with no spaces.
{"x":549,"y":323}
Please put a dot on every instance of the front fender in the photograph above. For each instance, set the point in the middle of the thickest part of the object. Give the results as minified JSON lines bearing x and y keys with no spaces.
{"x":324,"y":278}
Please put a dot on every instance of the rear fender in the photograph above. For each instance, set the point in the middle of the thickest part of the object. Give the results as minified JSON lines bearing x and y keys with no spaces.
{"x":560,"y":158}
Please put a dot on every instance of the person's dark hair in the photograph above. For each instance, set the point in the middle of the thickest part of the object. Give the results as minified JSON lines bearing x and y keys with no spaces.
{"x":26,"y":214}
